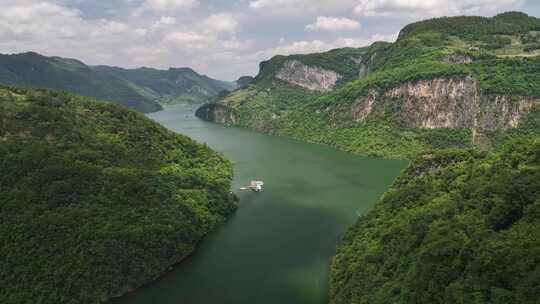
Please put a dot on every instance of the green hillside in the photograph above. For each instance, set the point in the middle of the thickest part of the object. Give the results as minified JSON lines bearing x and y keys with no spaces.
{"x":37,"y":71}
{"x":456,"y":227}
{"x":402,"y":99}
{"x":175,"y":85}
{"x":97,"y":200}
{"x":143,"y":90}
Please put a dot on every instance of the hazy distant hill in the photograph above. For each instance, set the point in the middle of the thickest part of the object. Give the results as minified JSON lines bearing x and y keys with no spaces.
{"x":175,"y":85}
{"x":139,"y":89}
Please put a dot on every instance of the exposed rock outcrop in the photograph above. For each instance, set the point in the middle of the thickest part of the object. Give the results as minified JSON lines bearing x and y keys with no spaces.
{"x":438,"y":103}
{"x":454,"y":103}
{"x":503,"y":112}
{"x":363,"y":106}
{"x":218,"y":113}
{"x":309,"y":77}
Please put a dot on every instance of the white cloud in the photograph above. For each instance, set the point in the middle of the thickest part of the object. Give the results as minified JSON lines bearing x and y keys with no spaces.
{"x":52,"y":29}
{"x":188,"y":38}
{"x":34,"y":19}
{"x":234,"y":44}
{"x":141,"y":31}
{"x":221,"y":22}
{"x":165,"y":5}
{"x":257,"y":4}
{"x":333,"y":24}
{"x":431,"y":8}
{"x":287,"y":8}
{"x":162,"y":22}
{"x":313,"y":46}
{"x":111,"y":27}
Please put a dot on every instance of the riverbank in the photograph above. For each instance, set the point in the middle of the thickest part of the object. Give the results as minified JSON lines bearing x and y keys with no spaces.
{"x":277,"y":247}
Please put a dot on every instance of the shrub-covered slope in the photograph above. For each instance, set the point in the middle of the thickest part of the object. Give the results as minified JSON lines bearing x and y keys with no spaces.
{"x":447,"y":82}
{"x":456,"y":227}
{"x":96,"y":200}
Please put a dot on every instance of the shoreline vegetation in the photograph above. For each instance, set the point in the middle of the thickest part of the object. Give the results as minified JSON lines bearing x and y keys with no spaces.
{"x":98,"y":200}
{"x":458,"y":97}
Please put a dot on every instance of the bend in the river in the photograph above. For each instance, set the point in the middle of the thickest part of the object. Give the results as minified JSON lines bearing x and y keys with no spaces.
{"x":278,"y":246}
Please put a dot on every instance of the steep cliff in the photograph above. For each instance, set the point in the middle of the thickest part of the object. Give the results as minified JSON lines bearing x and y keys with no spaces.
{"x":434,"y":87}
{"x":218,"y":113}
{"x":311,"y":78}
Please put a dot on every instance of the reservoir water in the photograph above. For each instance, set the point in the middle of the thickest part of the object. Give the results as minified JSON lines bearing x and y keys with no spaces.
{"x":278,"y":246}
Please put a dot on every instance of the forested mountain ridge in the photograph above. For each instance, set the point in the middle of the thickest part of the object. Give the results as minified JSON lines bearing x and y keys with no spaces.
{"x":141,"y":89}
{"x":447,"y":82}
{"x":175,"y":85}
{"x":458,"y":226}
{"x":97,"y":200}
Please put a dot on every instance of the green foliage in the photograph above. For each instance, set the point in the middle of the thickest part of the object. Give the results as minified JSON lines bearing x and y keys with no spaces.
{"x":34,"y":70}
{"x":456,"y":227}
{"x":97,"y":200}
{"x":474,"y":29}
{"x":175,"y":85}
{"x":344,"y":61}
{"x":141,"y":89}
{"x":426,"y":50}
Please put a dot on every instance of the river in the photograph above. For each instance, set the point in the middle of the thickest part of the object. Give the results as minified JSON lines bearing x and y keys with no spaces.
{"x":278,"y":246}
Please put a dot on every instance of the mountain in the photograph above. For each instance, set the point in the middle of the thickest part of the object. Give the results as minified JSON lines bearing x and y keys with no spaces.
{"x":139,"y":89}
{"x":96,"y":199}
{"x":447,"y":82}
{"x":175,"y":85}
{"x":37,"y":71}
{"x":243,"y":82}
{"x":457,"y":226}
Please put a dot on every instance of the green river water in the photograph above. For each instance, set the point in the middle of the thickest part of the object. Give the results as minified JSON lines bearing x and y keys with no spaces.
{"x":278,"y":246}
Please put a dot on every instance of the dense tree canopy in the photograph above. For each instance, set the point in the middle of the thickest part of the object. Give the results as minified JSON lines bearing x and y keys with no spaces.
{"x":456,"y":227}
{"x":96,"y":200}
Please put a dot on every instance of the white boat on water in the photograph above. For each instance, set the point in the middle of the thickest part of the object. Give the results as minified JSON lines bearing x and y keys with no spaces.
{"x":256,"y":186}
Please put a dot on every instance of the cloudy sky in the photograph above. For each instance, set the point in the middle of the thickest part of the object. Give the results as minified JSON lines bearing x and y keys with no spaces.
{"x":221,"y":38}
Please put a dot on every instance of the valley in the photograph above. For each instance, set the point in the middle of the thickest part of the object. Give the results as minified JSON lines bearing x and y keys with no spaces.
{"x":277,"y":247}
{"x":399,"y":172}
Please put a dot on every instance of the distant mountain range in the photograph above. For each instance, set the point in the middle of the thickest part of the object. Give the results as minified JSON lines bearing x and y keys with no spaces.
{"x":142,"y":89}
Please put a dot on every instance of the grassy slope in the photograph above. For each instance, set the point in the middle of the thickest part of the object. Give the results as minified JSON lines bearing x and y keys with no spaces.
{"x":418,"y":54}
{"x":95,"y":199}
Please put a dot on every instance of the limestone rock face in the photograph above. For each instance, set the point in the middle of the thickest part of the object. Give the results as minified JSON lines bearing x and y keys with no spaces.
{"x":454,"y":103}
{"x":218,"y":113}
{"x":438,"y":102}
{"x":309,"y":77}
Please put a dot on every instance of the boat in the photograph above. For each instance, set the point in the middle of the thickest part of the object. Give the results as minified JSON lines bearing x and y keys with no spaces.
{"x":256,"y":186}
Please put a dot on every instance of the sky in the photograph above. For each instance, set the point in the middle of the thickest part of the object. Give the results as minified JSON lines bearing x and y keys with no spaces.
{"x":224,"y":39}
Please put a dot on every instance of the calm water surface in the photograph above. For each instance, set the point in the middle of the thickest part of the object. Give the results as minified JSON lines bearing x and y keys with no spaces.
{"x":278,"y":246}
